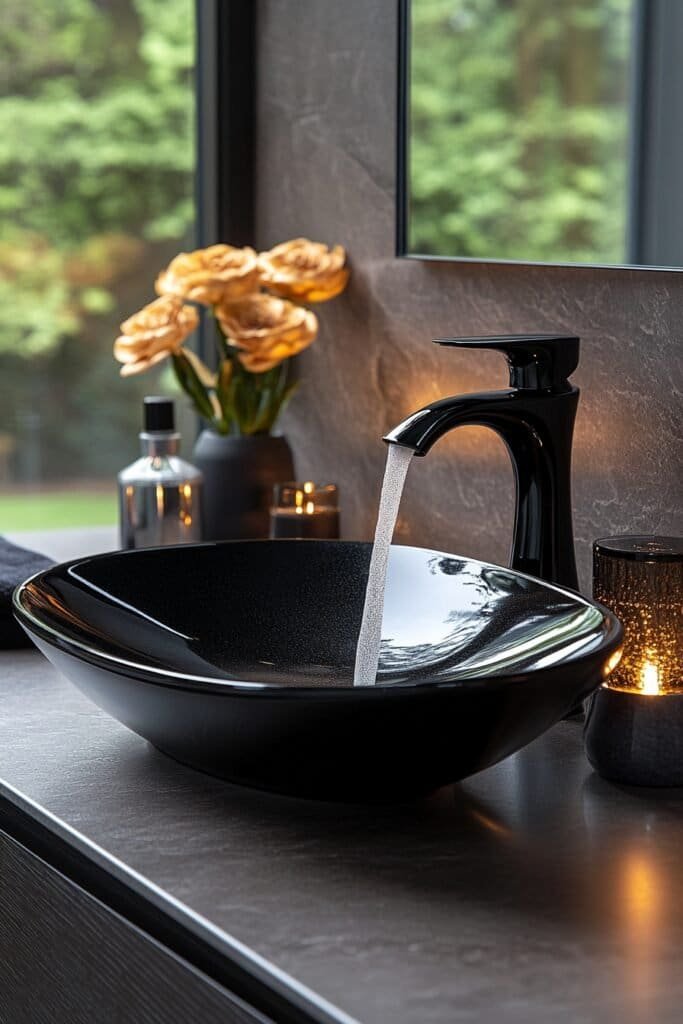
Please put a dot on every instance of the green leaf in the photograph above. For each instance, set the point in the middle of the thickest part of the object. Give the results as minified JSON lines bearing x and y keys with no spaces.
{"x":192,"y":385}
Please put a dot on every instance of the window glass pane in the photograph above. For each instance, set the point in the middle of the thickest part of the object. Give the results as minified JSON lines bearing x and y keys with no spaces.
{"x":96,"y":195}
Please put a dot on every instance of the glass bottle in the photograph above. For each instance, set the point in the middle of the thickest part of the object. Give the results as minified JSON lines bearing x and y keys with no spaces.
{"x":159,"y":494}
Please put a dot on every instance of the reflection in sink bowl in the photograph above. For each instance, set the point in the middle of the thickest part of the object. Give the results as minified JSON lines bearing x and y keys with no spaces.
{"x":237,"y":658}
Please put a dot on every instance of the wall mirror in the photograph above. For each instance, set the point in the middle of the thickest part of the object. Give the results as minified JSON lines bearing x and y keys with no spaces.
{"x":542,"y":132}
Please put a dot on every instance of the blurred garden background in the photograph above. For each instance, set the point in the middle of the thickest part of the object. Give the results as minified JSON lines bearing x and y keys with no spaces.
{"x":97,"y":152}
{"x":518,"y":149}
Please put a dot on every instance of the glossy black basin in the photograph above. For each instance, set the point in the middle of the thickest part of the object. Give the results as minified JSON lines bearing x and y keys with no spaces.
{"x":237,"y":657}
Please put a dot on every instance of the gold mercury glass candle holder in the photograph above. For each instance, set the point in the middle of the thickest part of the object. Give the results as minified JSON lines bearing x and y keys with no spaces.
{"x":634,"y":726}
{"x":305,"y":511}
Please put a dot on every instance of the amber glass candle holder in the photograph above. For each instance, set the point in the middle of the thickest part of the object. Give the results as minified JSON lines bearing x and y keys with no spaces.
{"x":305,"y":511}
{"x":634,"y":726}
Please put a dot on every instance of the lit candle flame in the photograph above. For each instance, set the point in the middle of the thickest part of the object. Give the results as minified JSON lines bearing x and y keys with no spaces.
{"x":649,"y":678}
{"x":302,"y":507}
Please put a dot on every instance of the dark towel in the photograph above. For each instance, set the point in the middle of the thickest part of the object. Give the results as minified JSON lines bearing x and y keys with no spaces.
{"x":16,"y":565}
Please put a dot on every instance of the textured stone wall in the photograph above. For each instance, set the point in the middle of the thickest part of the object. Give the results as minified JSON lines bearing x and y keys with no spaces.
{"x":326,"y":169}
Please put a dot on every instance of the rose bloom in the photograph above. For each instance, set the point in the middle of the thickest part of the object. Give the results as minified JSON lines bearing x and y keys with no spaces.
{"x":266,"y":329}
{"x":220,"y":273}
{"x":303,"y":270}
{"x":153,"y":333}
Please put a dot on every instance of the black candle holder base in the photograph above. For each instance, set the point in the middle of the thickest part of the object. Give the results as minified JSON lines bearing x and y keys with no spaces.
{"x":635,"y":738}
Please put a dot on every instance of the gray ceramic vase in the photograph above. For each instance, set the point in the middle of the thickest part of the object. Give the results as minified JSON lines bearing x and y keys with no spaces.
{"x":239,"y":475}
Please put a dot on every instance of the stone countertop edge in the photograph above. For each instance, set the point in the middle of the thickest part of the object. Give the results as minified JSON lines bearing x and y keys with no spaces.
{"x":162,"y":917}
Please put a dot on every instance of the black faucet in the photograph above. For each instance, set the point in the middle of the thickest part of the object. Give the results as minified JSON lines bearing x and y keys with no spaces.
{"x":535,"y":418}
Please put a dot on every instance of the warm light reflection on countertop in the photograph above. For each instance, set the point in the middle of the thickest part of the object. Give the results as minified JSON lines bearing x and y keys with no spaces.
{"x":641,"y":889}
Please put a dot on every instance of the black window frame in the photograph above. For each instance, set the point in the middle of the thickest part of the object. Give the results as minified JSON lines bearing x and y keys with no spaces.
{"x":225,"y":89}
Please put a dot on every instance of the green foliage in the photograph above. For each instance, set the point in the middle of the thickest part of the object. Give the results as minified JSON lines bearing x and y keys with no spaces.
{"x":96,"y":183}
{"x":253,"y":401}
{"x":518,"y":129}
{"x":190,"y":382}
{"x":235,"y":400}
{"x":98,"y":138}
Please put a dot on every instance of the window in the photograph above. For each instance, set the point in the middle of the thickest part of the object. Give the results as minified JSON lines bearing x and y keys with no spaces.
{"x":97,"y":154}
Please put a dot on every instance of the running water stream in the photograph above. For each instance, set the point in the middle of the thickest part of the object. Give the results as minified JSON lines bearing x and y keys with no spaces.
{"x":370,"y":637}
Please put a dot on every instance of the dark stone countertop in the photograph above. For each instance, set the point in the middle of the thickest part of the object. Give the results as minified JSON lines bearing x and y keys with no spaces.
{"x":534,"y":892}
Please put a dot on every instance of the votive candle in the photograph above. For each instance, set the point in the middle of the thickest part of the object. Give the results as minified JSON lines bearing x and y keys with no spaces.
{"x":305,"y":511}
{"x":634,"y":725}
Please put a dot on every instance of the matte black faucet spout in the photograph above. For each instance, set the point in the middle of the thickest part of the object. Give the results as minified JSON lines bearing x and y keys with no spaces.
{"x":535,"y":418}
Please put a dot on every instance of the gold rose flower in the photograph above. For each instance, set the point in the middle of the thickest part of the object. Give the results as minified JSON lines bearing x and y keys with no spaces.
{"x":303,"y":270}
{"x":266,"y":329}
{"x":152,"y":334}
{"x":220,"y":273}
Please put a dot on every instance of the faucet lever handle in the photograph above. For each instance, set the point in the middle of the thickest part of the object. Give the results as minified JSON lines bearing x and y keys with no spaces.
{"x":538,"y":362}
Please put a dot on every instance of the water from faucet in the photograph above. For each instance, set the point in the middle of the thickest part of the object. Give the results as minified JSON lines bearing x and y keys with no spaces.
{"x":370,"y":637}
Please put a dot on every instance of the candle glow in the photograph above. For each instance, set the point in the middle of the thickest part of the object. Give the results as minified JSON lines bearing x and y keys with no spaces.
{"x":649,"y":678}
{"x":304,"y":508}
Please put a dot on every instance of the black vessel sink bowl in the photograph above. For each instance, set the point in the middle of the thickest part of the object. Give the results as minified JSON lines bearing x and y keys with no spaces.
{"x":237,"y":658}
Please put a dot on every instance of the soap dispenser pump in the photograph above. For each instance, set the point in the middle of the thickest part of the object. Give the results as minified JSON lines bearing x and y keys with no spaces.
{"x":160,"y":493}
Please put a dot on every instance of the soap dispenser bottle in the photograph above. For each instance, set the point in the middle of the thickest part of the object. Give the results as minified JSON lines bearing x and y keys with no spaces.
{"x":160,"y":494}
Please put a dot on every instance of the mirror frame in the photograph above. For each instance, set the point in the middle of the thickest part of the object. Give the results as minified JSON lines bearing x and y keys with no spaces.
{"x":403,"y":177}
